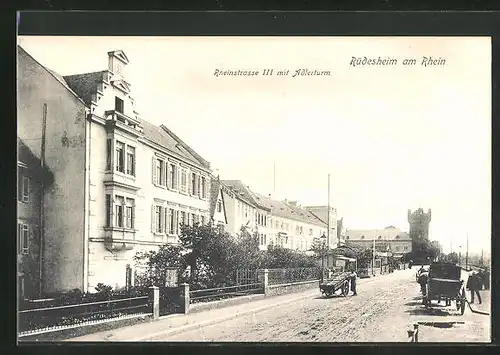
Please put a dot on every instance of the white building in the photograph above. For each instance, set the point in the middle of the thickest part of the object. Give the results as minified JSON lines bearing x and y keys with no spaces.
{"x":139,"y":181}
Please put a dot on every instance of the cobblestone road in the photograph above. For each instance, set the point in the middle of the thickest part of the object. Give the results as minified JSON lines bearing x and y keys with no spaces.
{"x":382,"y":312}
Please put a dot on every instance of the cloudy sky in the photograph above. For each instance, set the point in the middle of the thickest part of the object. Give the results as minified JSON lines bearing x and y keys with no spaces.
{"x":392,"y":137}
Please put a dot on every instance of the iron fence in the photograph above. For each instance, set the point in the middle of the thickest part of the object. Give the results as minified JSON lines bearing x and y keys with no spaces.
{"x":58,"y":317}
{"x":285,"y":276}
{"x":219,"y":293}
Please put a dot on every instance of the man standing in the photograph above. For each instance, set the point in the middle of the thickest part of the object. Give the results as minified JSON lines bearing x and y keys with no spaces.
{"x":353,"y":283}
{"x":474,"y":284}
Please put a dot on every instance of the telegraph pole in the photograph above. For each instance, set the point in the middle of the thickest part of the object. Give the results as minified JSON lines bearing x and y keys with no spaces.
{"x":467,"y":254}
{"x":328,"y":224}
{"x":42,"y":193}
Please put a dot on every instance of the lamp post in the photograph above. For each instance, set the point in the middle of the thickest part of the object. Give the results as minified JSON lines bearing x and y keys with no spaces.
{"x":460,"y":255}
{"x":323,"y":240}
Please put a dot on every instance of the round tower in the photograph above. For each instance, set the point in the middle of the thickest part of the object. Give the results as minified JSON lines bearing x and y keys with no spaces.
{"x":419,"y":223}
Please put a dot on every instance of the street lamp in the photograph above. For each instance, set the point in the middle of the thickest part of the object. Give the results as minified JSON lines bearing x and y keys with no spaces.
{"x":460,"y":255}
{"x":323,"y":239}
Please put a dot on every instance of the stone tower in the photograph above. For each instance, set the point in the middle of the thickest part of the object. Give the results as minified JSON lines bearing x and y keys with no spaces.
{"x":419,"y":223}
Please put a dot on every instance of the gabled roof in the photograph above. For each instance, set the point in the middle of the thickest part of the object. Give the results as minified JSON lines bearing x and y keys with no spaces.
{"x":85,"y":85}
{"x":214,"y":195}
{"x":159,"y":136}
{"x":239,"y":188}
{"x":236,"y":187}
{"x":285,"y":210}
{"x":119,"y":54}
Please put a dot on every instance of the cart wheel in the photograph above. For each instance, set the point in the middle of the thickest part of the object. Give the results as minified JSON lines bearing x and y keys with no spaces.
{"x":345,"y":289}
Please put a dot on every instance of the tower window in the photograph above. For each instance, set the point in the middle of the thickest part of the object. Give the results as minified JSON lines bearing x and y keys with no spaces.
{"x":118,"y":105}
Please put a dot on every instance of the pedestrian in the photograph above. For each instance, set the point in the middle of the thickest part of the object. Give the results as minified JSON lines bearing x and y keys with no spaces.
{"x":474,"y":284}
{"x":353,"y":283}
{"x":422,"y":280}
{"x":486,"y":279}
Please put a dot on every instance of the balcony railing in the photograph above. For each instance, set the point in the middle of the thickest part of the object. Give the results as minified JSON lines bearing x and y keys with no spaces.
{"x":113,"y":115}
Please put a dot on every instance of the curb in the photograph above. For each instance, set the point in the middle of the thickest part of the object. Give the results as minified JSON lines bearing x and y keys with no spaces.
{"x":189,"y":327}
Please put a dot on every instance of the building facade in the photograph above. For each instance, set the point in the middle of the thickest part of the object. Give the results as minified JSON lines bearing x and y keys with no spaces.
{"x":251,"y":212}
{"x":132,"y":184}
{"x":51,"y":121}
{"x":217,"y":205}
{"x":334,"y":238}
{"x":389,"y":239}
{"x":292,"y":226}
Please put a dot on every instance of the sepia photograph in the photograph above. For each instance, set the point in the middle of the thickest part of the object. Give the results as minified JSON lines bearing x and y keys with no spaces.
{"x":254,"y":189}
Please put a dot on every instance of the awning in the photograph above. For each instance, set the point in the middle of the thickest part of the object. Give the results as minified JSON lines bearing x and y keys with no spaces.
{"x":344,"y":258}
{"x":397,"y":256}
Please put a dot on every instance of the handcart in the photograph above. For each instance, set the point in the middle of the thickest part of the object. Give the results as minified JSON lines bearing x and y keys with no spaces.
{"x":337,"y":282}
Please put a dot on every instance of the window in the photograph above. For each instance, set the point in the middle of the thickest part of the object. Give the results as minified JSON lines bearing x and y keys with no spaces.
{"x":129,"y":213}
{"x":183,"y":218}
{"x":202,"y":220}
{"x":158,"y":219}
{"x":191,"y":219}
{"x":26,"y":189}
{"x":159,"y":172}
{"x":203,"y":187}
{"x":119,"y":211}
{"x":130,"y":160}
{"x":108,"y":210}
{"x":120,"y":159}
{"x":193,"y":183}
{"x":219,"y":206}
{"x":118,"y":105}
{"x":108,"y":153}
{"x":23,"y":235}
{"x":171,"y":221}
{"x":310,"y":231}
{"x":172,"y":176}
{"x":183,"y":187}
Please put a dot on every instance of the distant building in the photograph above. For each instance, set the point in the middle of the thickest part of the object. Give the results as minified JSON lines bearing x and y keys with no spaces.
{"x":245,"y":209}
{"x":389,"y":239}
{"x":218,"y":209}
{"x":419,"y":223}
{"x":321,"y":212}
{"x":292,"y":226}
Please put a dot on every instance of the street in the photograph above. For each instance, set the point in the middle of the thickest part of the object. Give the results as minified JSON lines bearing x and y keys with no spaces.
{"x":386,"y":306}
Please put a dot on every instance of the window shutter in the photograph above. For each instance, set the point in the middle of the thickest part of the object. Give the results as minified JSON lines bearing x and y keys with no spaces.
{"x":162,"y":216}
{"x":199,"y":185}
{"x":19,"y":187}
{"x":190,"y":183}
{"x":153,"y":215}
{"x":167,"y":219}
{"x":167,"y":171}
{"x":176,"y":222}
{"x":154,"y":171}
{"x":178,"y":182}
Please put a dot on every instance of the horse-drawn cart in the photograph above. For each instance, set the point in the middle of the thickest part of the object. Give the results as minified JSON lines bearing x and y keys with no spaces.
{"x":444,"y":283}
{"x":337,"y":282}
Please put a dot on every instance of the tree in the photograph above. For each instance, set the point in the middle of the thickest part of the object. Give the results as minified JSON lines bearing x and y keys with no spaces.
{"x":318,"y":246}
{"x":155,"y":263}
{"x":248,"y":252}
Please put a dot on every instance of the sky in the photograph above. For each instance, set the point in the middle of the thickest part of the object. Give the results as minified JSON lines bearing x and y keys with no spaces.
{"x":391,"y":137}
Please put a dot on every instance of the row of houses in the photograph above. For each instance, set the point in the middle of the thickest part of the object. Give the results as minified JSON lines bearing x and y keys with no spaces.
{"x":98,"y":183}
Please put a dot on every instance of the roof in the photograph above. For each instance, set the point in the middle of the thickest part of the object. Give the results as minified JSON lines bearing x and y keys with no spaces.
{"x":214,"y":195}
{"x":57,"y":76}
{"x":85,"y":85}
{"x":370,"y":234}
{"x":159,"y":136}
{"x":239,"y":190}
{"x":285,"y":210}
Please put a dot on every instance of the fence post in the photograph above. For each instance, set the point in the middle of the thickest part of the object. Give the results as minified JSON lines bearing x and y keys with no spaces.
{"x":155,"y":292}
{"x":415,"y":327}
{"x":264,"y":278}
{"x":184,"y":298}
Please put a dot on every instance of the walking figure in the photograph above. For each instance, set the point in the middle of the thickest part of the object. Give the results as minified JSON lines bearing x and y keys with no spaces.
{"x":353,"y":283}
{"x":474,"y":284}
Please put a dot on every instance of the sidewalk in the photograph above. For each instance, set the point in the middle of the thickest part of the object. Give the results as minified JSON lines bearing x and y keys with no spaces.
{"x":179,"y":323}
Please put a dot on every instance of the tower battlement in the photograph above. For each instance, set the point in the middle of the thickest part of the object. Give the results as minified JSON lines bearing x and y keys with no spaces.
{"x":419,"y":223}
